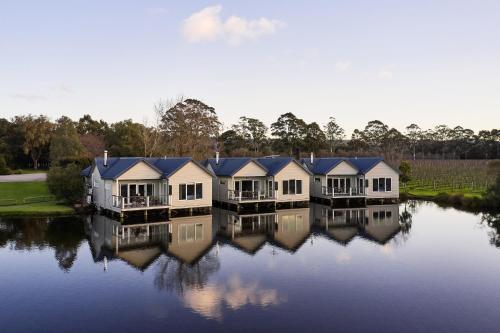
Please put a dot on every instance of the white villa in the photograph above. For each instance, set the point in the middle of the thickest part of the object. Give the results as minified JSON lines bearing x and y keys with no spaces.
{"x":352,"y":178}
{"x":126,"y":184}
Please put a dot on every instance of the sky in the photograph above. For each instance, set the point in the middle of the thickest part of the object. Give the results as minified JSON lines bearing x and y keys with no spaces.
{"x":401,"y":62}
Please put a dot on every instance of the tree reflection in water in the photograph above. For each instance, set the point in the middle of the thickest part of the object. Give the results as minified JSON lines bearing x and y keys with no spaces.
{"x":174,"y":275}
{"x":493,"y":221}
{"x":64,"y":235}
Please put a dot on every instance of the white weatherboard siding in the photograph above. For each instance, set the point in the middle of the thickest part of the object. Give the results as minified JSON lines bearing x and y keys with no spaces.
{"x":343,"y":169}
{"x":250,"y":170}
{"x":383,"y":170}
{"x":220,"y":188}
{"x":292,"y":171}
{"x":189,"y":174}
{"x":140,"y":171}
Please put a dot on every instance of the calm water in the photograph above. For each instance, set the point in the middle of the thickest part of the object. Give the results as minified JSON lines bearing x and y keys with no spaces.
{"x":413,"y":267}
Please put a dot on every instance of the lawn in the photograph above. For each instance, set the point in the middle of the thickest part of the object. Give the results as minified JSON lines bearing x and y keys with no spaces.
{"x":21,"y":192}
{"x":430,"y":192}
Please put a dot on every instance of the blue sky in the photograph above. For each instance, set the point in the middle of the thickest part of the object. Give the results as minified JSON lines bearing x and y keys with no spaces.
{"x":428,"y":62}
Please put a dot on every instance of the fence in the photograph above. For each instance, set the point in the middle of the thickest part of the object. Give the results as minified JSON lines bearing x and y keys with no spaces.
{"x":27,"y":200}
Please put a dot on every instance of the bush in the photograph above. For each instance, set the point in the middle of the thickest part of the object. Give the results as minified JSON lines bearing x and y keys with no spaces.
{"x":4,"y":170}
{"x":405,"y":169}
{"x":492,"y":197}
{"x":66,"y":183}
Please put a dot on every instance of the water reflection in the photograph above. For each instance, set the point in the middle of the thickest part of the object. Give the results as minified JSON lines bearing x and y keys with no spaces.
{"x":63,"y":235}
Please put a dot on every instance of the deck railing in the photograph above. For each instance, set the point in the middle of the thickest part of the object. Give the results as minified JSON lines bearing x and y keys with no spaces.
{"x":341,"y":191}
{"x":249,"y":195}
{"x":139,"y":201}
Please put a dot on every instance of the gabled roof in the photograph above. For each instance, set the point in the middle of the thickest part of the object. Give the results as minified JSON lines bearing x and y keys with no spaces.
{"x":321,"y":166}
{"x":166,"y":167}
{"x":276,"y":164}
{"x":365,"y":164}
{"x":228,"y":166}
{"x":86,"y":172}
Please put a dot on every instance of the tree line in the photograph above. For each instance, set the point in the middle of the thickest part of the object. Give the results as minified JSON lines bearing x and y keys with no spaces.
{"x":189,"y":127}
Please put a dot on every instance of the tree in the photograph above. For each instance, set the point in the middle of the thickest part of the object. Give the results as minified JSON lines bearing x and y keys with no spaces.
{"x":230,"y":141}
{"x":374,"y":133}
{"x":37,"y":132}
{"x":87,"y":125}
{"x":289,"y":132}
{"x":190,"y":127}
{"x":65,"y":144}
{"x":66,"y":183}
{"x":252,"y":130}
{"x":315,"y":138}
{"x":405,"y":169}
{"x":4,"y":170}
{"x":334,"y":134}
{"x":413,"y":133}
{"x":124,"y":139}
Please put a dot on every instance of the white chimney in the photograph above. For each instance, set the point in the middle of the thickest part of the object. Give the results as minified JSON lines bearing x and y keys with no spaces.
{"x":105,"y":158}
{"x":217,"y":158}
{"x":312,"y":157}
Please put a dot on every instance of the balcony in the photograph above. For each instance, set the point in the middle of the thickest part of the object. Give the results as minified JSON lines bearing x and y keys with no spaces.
{"x":343,"y":192}
{"x":249,"y":196}
{"x":139,"y":202}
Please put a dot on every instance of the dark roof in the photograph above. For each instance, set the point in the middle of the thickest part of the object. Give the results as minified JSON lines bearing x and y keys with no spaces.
{"x":275,"y":164}
{"x":322,"y":166}
{"x":86,"y":172}
{"x":364,"y":164}
{"x":228,"y":166}
{"x":119,"y":165}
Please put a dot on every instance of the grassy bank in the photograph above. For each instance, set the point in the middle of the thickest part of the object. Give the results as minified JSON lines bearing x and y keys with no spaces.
{"x":29,"y":198}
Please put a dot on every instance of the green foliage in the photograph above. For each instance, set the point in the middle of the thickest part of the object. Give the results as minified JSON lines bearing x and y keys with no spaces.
{"x":4,"y":170}
{"x":66,"y":183}
{"x":65,"y":144}
{"x":405,"y":169}
{"x":492,"y":196}
{"x":37,"y":133}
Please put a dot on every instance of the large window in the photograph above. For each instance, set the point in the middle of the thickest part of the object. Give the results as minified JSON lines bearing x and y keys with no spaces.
{"x":382,"y":184}
{"x":137,"y":189}
{"x":190,"y":191}
{"x":190,"y":232}
{"x":292,"y":186}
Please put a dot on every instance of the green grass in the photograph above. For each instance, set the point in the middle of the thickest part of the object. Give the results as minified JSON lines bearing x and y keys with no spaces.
{"x":20,"y":190}
{"x":28,"y":171}
{"x":429,"y":192}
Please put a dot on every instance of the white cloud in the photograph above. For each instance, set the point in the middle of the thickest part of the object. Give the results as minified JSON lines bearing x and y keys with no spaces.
{"x":207,"y":25}
{"x":29,"y":97}
{"x":343,"y":66}
{"x":385,"y":73}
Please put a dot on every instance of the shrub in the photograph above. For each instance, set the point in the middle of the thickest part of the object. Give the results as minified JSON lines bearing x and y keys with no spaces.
{"x":66,"y":183}
{"x":405,"y":169}
{"x":4,"y":170}
{"x":492,"y":197}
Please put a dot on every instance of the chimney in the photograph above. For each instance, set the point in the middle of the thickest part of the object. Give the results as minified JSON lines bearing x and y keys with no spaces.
{"x":105,"y":158}
{"x":217,"y":158}
{"x":312,"y":157}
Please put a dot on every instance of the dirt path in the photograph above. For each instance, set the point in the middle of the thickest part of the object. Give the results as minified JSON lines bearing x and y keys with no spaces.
{"x":31,"y":177}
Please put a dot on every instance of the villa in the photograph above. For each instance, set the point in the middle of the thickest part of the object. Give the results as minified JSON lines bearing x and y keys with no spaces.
{"x":127,"y":184}
{"x":268,"y":181}
{"x":364,"y":178}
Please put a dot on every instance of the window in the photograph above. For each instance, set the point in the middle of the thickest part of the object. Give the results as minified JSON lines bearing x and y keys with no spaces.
{"x":190,"y":232}
{"x":367,"y":183}
{"x":96,"y":184}
{"x":149,"y":189}
{"x":124,"y":190}
{"x":182,"y":192}
{"x":382,"y":184}
{"x":199,"y":191}
{"x":292,"y":186}
{"x":169,"y":189}
{"x":317,"y":180}
{"x":299,"y":187}
{"x":361,"y":182}
{"x":275,"y":186}
{"x":222,"y":182}
{"x":190,"y":191}
{"x":285,"y":187}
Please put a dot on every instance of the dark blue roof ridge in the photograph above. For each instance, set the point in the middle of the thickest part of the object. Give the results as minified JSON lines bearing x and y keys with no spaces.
{"x":228,"y":166}
{"x":277,"y":163}
{"x":166,"y":166}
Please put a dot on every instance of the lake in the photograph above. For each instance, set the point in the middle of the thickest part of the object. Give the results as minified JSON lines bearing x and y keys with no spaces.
{"x":409,"y":267}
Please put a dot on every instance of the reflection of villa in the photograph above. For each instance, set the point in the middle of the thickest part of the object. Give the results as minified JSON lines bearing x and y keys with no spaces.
{"x":141,"y":244}
{"x":378,"y":223}
{"x":287,"y":229}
